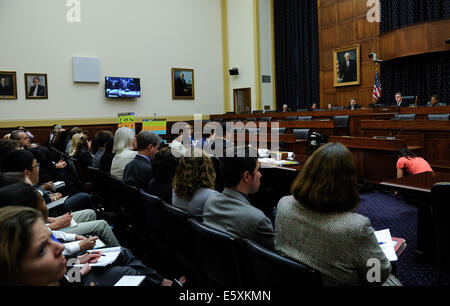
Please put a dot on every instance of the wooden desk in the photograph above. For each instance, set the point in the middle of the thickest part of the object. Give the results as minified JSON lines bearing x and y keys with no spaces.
{"x":375,"y":159}
{"x":433,"y":136}
{"x":417,"y":191}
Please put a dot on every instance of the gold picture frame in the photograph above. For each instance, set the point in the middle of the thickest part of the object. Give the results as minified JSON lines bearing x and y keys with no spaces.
{"x":183,"y":84}
{"x":347,"y":66}
{"x":8,"y":85}
{"x":30,"y":86}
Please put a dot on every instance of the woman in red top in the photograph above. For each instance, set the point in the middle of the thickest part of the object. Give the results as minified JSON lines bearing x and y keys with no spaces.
{"x":411,"y":162}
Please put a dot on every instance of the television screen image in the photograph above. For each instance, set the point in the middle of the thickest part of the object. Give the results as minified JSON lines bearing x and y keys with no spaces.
{"x":122,"y":87}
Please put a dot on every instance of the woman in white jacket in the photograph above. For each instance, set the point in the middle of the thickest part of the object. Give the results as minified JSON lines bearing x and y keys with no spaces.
{"x":124,"y":146}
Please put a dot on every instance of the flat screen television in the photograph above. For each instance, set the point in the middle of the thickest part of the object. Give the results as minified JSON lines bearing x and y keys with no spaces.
{"x":116,"y":87}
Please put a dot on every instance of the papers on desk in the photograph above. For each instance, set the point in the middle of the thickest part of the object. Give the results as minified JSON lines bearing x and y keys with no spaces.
{"x":59,"y":184}
{"x":56,"y":203}
{"x":386,"y":243}
{"x":111,"y":255}
{"x":273,"y":162}
{"x":130,"y":280}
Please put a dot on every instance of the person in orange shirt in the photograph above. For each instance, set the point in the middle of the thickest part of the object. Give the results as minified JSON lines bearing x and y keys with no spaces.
{"x":411,"y":162}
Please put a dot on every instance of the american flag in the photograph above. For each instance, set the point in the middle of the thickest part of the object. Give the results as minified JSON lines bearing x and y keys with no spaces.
{"x":376,"y":89}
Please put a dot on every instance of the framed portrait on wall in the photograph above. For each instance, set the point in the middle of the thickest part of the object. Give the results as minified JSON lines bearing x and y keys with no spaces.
{"x":36,"y":86}
{"x":347,"y":66}
{"x":8,"y":85}
{"x":182,"y":84}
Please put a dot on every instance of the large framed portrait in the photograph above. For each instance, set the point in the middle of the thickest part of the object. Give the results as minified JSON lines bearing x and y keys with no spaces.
{"x":8,"y":85}
{"x":182,"y":84}
{"x":36,"y":86}
{"x":347,"y":66}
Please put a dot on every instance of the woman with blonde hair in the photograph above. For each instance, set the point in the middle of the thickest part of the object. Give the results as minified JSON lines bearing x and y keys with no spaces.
{"x":316,"y":225}
{"x":193,"y":182}
{"x":124,"y":150}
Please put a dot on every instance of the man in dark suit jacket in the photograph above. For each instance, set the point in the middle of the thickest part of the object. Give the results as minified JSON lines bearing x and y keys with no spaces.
{"x":399,"y":100}
{"x":353,"y":105}
{"x":347,"y":69}
{"x":180,"y":86}
{"x":138,"y":172}
{"x":231,"y":211}
{"x":37,"y":90}
{"x":5,"y":90}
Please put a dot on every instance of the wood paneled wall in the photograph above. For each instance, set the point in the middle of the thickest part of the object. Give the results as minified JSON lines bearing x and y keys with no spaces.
{"x":343,"y":23}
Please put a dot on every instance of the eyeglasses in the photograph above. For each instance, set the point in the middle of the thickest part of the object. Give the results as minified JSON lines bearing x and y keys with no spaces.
{"x":37,"y":165}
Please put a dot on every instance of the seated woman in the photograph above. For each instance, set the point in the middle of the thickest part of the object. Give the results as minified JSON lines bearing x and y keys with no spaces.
{"x":164,"y":166}
{"x":31,"y":256}
{"x":80,"y":151}
{"x":124,"y":146}
{"x":316,"y":225}
{"x":193,"y":182}
{"x":412,"y":163}
{"x":99,"y":145}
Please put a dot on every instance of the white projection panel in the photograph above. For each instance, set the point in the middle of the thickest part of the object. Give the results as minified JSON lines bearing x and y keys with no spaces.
{"x":86,"y":69}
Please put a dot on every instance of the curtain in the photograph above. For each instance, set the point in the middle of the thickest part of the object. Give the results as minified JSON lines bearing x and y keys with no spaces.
{"x":296,"y":53}
{"x":399,"y":13}
{"x":419,"y":75}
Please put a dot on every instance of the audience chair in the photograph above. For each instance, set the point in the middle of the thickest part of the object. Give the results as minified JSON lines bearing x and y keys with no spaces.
{"x":341,"y":121}
{"x":438,"y":116}
{"x":405,"y":117}
{"x":290,"y":118}
{"x":265,"y":268}
{"x":301,"y":133}
{"x":440,"y":193}
{"x":304,"y":118}
{"x":217,"y":254}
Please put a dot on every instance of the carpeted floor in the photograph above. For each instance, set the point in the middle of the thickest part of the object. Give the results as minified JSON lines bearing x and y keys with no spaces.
{"x":388,"y":211}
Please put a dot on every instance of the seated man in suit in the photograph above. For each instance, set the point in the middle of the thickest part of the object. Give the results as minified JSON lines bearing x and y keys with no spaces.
{"x":434,"y":101}
{"x":37,"y":90}
{"x":138,"y":172}
{"x":399,"y":100}
{"x":353,"y":104}
{"x":231,"y":211}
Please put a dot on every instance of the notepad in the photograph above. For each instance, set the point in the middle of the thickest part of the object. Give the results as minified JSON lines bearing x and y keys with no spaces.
{"x":386,"y":244}
{"x":111,"y":255}
{"x":56,"y":203}
{"x":130,"y":280}
{"x":59,"y":184}
{"x":98,"y":244}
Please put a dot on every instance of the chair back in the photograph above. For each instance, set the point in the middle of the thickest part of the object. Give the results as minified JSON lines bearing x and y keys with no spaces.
{"x":301,"y":133}
{"x":244,"y":112}
{"x":217,"y":255}
{"x":412,"y":100}
{"x":259,"y":111}
{"x":151,"y":218}
{"x":302,"y":109}
{"x":319,"y":109}
{"x":405,"y":117}
{"x":304,"y":118}
{"x":230,"y":113}
{"x":265,"y":268}
{"x":218,"y":120}
{"x":338,"y":108}
{"x":341,"y":121}
{"x":438,"y":116}
{"x":291,"y":118}
{"x":175,"y":221}
{"x":269,"y":111}
{"x":251,"y":119}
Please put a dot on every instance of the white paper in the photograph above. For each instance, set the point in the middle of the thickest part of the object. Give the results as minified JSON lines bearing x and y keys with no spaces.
{"x":130,"y":280}
{"x":56,"y":203}
{"x":111,"y":255}
{"x":59,"y":184}
{"x":386,"y":244}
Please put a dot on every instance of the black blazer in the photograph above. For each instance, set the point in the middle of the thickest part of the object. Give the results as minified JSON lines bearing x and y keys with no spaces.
{"x":40,"y":91}
{"x":403,"y":104}
{"x":348,"y":74}
{"x":356,"y":106}
{"x":138,"y":172}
